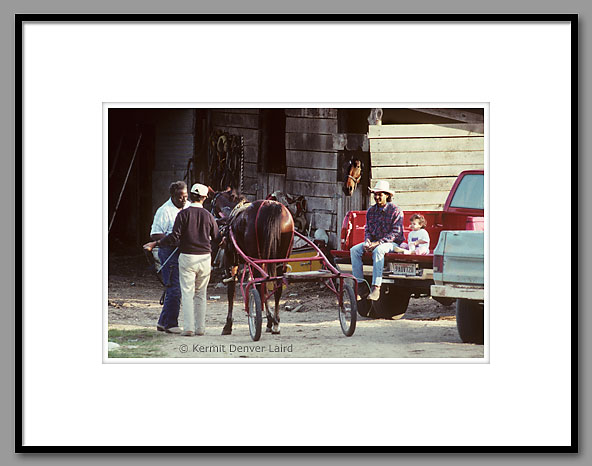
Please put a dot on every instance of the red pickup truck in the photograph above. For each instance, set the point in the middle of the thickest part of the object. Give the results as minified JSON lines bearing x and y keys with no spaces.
{"x":409,"y":274}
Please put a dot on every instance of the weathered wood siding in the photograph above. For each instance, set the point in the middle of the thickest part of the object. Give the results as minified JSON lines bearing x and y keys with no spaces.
{"x":243,"y":122}
{"x":174,"y":146}
{"x":311,"y":164}
{"x":421,"y":162}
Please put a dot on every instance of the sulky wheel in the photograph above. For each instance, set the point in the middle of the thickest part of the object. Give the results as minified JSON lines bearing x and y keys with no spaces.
{"x":254,"y":314}
{"x":348,"y":311}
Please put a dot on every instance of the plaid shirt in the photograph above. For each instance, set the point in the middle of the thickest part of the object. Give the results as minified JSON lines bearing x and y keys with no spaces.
{"x":384,"y":224}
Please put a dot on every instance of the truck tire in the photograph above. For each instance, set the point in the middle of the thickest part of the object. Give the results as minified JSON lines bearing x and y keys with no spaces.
{"x":364,"y":307}
{"x":444,"y":301}
{"x":469,"y":321}
{"x":393,"y":302}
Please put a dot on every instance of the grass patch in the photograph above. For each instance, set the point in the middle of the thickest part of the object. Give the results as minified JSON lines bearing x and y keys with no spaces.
{"x":141,"y":343}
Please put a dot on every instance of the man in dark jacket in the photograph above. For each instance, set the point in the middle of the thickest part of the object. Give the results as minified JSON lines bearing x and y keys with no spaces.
{"x":194,"y":229}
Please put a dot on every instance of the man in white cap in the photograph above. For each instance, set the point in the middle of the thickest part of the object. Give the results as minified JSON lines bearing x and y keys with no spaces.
{"x":194,"y":230}
{"x":384,"y":233}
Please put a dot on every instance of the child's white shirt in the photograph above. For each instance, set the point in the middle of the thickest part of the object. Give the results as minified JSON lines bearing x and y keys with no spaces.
{"x":419,"y":234}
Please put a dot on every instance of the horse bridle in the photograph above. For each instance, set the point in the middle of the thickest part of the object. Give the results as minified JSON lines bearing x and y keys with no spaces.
{"x":356,"y":180}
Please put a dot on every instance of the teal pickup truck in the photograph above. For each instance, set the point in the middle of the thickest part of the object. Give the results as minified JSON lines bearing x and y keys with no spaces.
{"x":459,"y":273}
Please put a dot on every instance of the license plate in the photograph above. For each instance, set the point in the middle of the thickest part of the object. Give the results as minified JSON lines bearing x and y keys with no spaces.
{"x":406,"y":270}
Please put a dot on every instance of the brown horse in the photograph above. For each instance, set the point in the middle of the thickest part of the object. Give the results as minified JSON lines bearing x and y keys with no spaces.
{"x":353,"y":176}
{"x":263,"y":230}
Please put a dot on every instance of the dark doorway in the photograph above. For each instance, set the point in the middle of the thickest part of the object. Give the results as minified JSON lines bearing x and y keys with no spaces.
{"x":130,"y":164}
{"x":273,"y":141}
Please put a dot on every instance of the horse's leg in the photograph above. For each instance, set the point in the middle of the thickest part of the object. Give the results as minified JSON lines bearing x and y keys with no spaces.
{"x":276,"y":316}
{"x":267,"y":313}
{"x":230,"y":289}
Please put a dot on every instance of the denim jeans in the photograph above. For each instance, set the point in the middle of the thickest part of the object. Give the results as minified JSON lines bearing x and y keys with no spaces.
{"x":172,"y":299}
{"x":377,"y":260}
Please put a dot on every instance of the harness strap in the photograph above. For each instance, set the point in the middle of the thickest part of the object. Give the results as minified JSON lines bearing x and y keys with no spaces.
{"x":257,"y":231}
{"x":356,"y":180}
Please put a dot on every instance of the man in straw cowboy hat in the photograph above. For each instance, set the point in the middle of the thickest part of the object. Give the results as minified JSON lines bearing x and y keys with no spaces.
{"x":384,"y":233}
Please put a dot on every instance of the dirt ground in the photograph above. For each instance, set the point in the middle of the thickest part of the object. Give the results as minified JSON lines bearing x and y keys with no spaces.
{"x":427,"y":329}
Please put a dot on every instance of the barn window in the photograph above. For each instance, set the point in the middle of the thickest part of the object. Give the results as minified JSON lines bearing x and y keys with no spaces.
{"x":273,"y":141}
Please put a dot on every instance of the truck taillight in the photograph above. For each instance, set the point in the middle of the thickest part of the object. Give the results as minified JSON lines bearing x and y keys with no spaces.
{"x":438,"y":264}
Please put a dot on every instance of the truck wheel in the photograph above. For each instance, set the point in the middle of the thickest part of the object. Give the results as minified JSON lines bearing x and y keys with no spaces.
{"x":393,"y":302}
{"x":469,"y":321}
{"x":364,"y":307}
{"x":444,"y":301}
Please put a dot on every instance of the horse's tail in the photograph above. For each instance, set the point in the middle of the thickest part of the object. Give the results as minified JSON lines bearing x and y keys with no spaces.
{"x":269,"y":226}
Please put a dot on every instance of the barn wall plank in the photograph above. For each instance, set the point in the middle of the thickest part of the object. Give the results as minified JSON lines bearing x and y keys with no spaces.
{"x":305,"y":141}
{"x":420,"y":198}
{"x":251,"y":154}
{"x":268,"y":183}
{"x":174,"y":120}
{"x":425,"y":131}
{"x":409,"y":209}
{"x":313,"y":189}
{"x":380,"y":173}
{"x":421,"y":162}
{"x":320,"y":204}
{"x":427,"y":145}
{"x":309,"y":159}
{"x":250,"y":188}
{"x":311,"y":175}
{"x":311,"y":125}
{"x":421,"y":184}
{"x":252,"y":111}
{"x":250,"y":169}
{"x":392,"y":159}
{"x":312,"y":112}
{"x":236,"y":120}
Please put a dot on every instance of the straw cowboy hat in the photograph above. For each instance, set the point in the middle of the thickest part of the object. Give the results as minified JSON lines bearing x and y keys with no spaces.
{"x":382,"y":187}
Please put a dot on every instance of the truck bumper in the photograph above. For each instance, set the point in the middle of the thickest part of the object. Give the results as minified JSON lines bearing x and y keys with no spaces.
{"x":458,"y":292}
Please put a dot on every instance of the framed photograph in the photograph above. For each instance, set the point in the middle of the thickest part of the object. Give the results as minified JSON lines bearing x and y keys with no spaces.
{"x":264,"y":206}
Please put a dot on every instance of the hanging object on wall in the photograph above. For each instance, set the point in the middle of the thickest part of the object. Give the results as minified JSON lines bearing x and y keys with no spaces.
{"x":225,"y":161}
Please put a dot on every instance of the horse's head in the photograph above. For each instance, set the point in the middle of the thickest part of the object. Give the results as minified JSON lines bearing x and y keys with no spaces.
{"x":222,"y":202}
{"x":353,"y":176}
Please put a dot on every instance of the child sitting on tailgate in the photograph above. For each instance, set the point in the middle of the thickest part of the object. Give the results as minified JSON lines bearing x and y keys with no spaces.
{"x":418,"y":241}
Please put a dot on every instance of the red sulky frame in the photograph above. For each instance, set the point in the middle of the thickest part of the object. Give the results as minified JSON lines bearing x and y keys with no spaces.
{"x":252,"y":264}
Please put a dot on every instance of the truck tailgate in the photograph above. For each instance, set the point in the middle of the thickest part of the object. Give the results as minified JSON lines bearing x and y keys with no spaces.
{"x":424,"y":261}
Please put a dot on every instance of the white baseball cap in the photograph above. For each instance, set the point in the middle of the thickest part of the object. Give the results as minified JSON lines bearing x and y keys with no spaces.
{"x":382,"y":187}
{"x":199,"y":189}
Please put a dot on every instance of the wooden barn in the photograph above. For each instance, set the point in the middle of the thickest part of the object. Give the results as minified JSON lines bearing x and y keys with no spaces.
{"x":296,"y":151}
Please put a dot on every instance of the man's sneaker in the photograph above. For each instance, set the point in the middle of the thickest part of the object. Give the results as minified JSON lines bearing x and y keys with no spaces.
{"x":160,"y":328}
{"x":187,"y":333}
{"x":375,"y":294}
{"x":175,"y":330}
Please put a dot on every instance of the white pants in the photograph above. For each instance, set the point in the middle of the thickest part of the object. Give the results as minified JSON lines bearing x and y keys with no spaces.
{"x":194,"y":276}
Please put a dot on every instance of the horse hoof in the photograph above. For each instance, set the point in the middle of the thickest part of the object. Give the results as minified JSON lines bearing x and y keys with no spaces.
{"x":275,"y":333}
{"x":226,"y":331}
{"x":267,"y":330}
